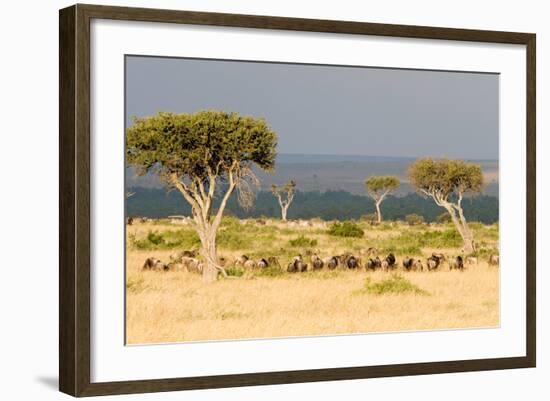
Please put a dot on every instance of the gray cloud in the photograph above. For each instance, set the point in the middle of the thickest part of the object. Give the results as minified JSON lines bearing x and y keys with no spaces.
{"x":331,"y":109}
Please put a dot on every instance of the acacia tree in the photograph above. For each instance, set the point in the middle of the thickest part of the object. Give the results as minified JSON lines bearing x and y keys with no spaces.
{"x":285,"y":196}
{"x":203,"y":155}
{"x":446,"y":182}
{"x":378,"y":187}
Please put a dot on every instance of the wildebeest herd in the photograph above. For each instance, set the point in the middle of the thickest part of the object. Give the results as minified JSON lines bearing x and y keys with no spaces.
{"x":366,"y":259}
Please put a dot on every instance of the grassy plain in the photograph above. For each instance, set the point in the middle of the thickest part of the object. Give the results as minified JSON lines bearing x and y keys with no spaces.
{"x":178,"y":306}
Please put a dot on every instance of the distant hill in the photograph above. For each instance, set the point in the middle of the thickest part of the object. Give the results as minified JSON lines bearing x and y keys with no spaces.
{"x":335,"y":173}
{"x":329,"y":205}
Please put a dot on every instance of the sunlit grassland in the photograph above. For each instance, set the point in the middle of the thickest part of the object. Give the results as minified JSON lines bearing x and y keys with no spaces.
{"x":177,"y":306}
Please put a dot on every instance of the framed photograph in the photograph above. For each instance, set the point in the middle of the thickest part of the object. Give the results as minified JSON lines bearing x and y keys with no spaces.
{"x":250,"y":200}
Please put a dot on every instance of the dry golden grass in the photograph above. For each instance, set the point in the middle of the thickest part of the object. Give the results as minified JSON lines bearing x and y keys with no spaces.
{"x":177,"y":306}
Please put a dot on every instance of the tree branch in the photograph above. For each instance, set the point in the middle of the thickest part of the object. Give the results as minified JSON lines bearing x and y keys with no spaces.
{"x":184,"y":189}
{"x":384,"y":195}
{"x":233,"y":181}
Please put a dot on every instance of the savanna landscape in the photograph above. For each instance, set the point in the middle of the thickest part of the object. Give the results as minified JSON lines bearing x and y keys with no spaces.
{"x":332,"y":201}
{"x":176,"y":306}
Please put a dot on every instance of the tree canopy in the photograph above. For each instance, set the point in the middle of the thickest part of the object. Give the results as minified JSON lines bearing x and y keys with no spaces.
{"x":194,"y":145}
{"x":441,"y":178}
{"x":289,"y":188}
{"x":382,"y":183}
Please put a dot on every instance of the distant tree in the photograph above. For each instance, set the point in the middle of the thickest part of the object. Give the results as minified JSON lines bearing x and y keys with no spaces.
{"x":285,"y":196}
{"x":378,"y":187}
{"x":446,"y":182}
{"x":201,"y":154}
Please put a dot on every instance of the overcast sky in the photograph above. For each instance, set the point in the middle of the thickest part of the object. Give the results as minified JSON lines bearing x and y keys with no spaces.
{"x":330,"y":109}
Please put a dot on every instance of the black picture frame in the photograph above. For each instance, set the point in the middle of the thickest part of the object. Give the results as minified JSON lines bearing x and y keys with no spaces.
{"x":74,"y":199}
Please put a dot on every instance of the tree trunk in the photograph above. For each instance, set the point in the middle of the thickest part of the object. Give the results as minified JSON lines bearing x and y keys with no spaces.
{"x":284,"y":210}
{"x":378,"y":212}
{"x":463,"y":229}
{"x":467,"y":234}
{"x":469,"y":245}
{"x":208,"y":251}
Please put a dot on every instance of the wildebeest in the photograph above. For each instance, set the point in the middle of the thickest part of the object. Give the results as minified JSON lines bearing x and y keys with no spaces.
{"x":192,"y":265}
{"x":456,"y":263}
{"x":348,"y":260}
{"x":494,"y":260}
{"x":316,"y":262}
{"x":408,"y":263}
{"x":154,"y":264}
{"x":435,"y":260}
{"x":374,"y":264}
{"x":297,"y":265}
{"x":352,"y":262}
{"x":183,"y":254}
{"x":262,"y":263}
{"x":471,"y":260}
{"x":331,"y":262}
{"x":389,"y":262}
{"x":250,"y":264}
{"x":241,"y":260}
{"x":130,"y":221}
{"x":418,"y":265}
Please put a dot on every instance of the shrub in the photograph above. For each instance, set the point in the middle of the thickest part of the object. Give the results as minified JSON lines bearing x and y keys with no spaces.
{"x":346,"y":229}
{"x":414,"y":219}
{"x":234,"y":271}
{"x":155,"y":238}
{"x":396,"y":284}
{"x":302,"y":241}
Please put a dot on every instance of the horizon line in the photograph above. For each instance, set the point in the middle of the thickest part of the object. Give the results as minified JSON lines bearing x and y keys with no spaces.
{"x":384,"y":156}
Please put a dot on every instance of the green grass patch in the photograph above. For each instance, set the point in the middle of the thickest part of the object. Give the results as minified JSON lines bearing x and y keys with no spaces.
{"x":270,"y":271}
{"x":449,"y":238}
{"x":234,"y":271}
{"x":303,"y":241}
{"x":135,"y":284}
{"x":346,"y":229}
{"x":177,"y":239}
{"x":232,"y":239}
{"x":396,"y":284}
{"x":412,"y":241}
{"x":402,"y":250}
